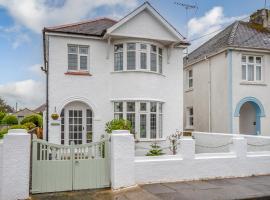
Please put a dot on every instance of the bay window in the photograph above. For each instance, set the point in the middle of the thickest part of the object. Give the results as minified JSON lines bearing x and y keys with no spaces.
{"x":145,"y":117}
{"x":134,"y":56}
{"x":78,"y":58}
{"x":251,"y":68}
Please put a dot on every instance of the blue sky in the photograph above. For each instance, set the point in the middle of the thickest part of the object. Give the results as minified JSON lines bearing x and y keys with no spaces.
{"x":21,"y":22}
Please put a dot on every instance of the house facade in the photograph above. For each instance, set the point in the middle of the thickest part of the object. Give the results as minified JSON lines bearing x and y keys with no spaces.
{"x":227,"y":80}
{"x":104,"y":69}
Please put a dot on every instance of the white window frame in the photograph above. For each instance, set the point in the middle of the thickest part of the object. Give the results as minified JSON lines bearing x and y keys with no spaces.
{"x":143,"y":51}
{"x":79,"y":58}
{"x":189,"y":78}
{"x":123,"y":57}
{"x":254,"y":64}
{"x":188,"y":117}
{"x":138,"y":50}
{"x":147,"y":112}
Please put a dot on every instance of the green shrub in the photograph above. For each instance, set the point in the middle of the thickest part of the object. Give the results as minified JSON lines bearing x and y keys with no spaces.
{"x":2,"y":115}
{"x":29,"y":125}
{"x":155,"y":150}
{"x":18,"y":127}
{"x":36,"y":119}
{"x":118,"y":124}
{"x":3,"y":132}
{"x":10,"y":120}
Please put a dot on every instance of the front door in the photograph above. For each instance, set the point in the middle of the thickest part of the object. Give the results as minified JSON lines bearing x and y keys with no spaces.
{"x":77,"y":124}
{"x":248,"y":121}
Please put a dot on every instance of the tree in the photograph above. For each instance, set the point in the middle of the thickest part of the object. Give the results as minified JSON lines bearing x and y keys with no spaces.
{"x":2,"y":115}
{"x":5,"y":107}
{"x":35,"y":119}
{"x":10,"y":120}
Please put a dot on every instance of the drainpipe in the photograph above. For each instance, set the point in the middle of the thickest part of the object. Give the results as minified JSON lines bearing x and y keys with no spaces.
{"x":46,"y":70}
{"x":209,"y":95}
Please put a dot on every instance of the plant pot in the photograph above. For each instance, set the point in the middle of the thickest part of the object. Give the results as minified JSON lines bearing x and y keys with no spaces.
{"x":54,"y":116}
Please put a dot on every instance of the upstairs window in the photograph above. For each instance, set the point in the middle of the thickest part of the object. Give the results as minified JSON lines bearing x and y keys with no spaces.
{"x":118,"y":57}
{"x":251,"y":68}
{"x":153,"y":64}
{"x":159,"y":60}
{"x":78,"y":57}
{"x":189,"y":79}
{"x":143,"y":56}
{"x":133,"y":56}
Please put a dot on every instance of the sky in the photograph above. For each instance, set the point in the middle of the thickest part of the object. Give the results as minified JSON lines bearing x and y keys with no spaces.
{"x":21,"y":23}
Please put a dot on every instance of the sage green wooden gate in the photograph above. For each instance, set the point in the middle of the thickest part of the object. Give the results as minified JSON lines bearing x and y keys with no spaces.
{"x":58,"y":168}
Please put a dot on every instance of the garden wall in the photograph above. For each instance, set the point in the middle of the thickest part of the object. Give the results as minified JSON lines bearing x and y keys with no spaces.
{"x":233,"y":161}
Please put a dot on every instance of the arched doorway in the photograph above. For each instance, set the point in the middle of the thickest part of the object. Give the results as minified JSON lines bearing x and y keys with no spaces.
{"x":76,"y":123}
{"x":249,"y":110}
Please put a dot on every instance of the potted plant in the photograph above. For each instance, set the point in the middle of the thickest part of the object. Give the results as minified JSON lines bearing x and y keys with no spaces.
{"x":54,"y":116}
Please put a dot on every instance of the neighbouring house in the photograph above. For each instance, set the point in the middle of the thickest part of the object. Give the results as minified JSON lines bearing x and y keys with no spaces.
{"x":103,"y":69}
{"x":227,"y":80}
{"x":23,"y":113}
{"x":40,"y":109}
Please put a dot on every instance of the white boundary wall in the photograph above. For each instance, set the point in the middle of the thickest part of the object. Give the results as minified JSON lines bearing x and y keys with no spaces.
{"x":222,"y":142}
{"x":15,"y":165}
{"x":186,"y":165}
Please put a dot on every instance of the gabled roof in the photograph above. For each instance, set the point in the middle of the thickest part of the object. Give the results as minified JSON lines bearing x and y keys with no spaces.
{"x":100,"y":27}
{"x":96,"y":27}
{"x":24,"y":112}
{"x":239,"y":34}
{"x":146,"y":6}
{"x":40,"y":108}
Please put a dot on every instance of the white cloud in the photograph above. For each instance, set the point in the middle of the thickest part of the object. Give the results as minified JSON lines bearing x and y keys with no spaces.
{"x":211,"y":23}
{"x":15,"y":35}
{"x":27,"y":93}
{"x":36,"y":70}
{"x":35,"y":14}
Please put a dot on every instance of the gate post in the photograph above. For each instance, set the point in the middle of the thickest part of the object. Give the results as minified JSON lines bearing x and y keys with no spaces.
{"x":122,"y":159}
{"x":15,"y":165}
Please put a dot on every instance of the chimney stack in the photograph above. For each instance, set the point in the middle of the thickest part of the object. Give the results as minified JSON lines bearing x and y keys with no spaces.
{"x":261,"y":17}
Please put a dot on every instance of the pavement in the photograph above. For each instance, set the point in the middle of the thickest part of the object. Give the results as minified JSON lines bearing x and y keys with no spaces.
{"x":256,"y":187}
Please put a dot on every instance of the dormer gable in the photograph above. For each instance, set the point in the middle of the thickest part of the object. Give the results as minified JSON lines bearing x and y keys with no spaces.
{"x":145,"y":22}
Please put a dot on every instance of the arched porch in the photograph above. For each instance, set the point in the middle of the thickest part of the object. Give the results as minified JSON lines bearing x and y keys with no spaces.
{"x":249,"y":110}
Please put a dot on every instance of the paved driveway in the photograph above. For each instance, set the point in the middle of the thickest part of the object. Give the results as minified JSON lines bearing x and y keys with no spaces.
{"x":236,"y":188}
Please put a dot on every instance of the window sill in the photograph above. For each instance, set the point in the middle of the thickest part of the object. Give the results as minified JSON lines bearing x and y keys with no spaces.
{"x":78,"y":73}
{"x":253,"y":83}
{"x":189,"y":89}
{"x":189,"y":128}
{"x":138,"y":71}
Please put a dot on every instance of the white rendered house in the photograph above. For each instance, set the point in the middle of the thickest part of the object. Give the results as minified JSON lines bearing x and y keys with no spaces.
{"x":227,"y":80}
{"x":103,"y":69}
